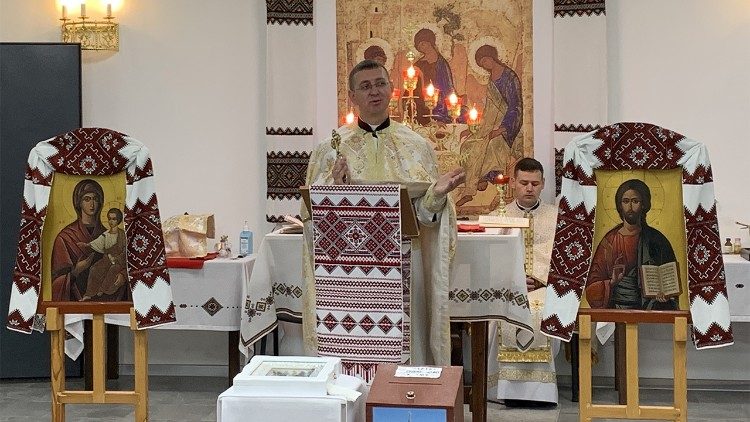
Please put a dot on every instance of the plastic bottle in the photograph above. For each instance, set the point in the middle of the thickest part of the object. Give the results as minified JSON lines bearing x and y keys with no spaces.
{"x":737,"y":245}
{"x":246,"y":241}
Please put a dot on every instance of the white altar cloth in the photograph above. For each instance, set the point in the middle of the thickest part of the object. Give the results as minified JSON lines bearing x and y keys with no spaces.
{"x":738,"y":287}
{"x":208,"y":299}
{"x":488,"y":283}
{"x":234,"y":405}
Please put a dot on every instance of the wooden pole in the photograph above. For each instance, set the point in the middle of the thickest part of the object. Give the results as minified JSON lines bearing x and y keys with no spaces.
{"x":584,"y":365}
{"x":56,"y":328}
{"x":680,"y":368}
{"x":140,"y":357}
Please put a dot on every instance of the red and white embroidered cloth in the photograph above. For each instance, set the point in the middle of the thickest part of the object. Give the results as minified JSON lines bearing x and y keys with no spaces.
{"x":361,"y":280}
{"x":627,"y":146}
{"x":94,"y":152}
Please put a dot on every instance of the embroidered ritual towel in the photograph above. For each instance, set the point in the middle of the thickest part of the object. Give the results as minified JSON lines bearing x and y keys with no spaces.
{"x":632,"y":146}
{"x":362,"y":297}
{"x":94,"y":152}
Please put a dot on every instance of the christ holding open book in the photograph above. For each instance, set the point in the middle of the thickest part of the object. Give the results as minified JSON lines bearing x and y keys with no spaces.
{"x":615,"y":278}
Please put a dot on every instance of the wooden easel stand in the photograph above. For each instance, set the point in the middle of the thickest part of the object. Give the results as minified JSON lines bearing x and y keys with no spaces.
{"x":632,"y":409}
{"x":99,"y":394}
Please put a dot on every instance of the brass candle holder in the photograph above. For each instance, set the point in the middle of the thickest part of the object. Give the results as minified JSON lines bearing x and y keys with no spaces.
{"x":393,"y":109}
{"x":453,"y":103}
{"x":431,"y":98}
{"x":501,"y":206}
{"x":410,"y":84}
{"x":500,"y":183}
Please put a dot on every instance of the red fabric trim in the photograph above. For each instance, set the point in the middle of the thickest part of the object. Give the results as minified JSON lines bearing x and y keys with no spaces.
{"x":190,"y":263}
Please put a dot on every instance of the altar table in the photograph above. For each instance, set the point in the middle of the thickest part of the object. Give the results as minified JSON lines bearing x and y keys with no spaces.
{"x":488,"y":282}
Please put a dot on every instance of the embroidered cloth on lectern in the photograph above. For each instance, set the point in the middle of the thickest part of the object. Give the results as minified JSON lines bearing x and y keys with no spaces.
{"x":362,"y":295}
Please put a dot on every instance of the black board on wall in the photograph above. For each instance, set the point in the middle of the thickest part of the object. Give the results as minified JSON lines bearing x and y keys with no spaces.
{"x":40,"y":97}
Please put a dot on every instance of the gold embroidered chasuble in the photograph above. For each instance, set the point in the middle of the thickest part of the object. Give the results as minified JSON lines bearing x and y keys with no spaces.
{"x":396,"y":155}
{"x":544,"y":220}
{"x":537,"y":364}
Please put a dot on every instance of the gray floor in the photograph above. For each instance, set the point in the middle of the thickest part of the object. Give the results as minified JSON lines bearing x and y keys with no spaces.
{"x":194,"y":399}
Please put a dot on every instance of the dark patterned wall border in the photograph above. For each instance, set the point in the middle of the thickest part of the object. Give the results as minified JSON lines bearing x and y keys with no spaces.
{"x":579,"y":8}
{"x":572,"y":127}
{"x":289,"y":12}
{"x":285,"y":173}
{"x":289,"y":131}
{"x":559,"y":154}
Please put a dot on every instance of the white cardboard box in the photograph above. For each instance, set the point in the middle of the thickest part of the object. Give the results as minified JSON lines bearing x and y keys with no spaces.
{"x":283,"y":376}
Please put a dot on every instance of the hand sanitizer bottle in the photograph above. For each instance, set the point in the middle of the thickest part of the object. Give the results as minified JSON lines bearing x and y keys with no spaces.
{"x":246,"y":241}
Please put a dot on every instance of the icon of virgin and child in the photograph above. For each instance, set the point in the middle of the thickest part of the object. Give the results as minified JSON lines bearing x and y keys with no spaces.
{"x":88,"y":259}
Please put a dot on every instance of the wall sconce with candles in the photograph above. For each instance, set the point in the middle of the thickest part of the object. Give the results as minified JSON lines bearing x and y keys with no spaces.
{"x":91,"y":34}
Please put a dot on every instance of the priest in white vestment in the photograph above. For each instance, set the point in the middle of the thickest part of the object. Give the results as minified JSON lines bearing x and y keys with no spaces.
{"x":527,"y":378}
{"x":374,"y":150}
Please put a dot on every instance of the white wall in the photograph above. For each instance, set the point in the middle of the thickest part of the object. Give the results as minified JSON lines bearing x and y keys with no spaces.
{"x":683,"y":65}
{"x":189,"y":82}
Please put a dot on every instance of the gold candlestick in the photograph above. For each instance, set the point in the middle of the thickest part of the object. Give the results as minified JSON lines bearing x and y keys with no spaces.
{"x":501,"y":206}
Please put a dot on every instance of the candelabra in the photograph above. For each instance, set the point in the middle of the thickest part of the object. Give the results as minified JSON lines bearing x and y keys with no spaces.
{"x":91,"y":34}
{"x":410,"y":84}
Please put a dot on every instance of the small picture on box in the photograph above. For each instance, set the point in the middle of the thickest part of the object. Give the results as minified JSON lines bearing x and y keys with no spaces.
{"x":288,"y":369}
{"x":290,"y":372}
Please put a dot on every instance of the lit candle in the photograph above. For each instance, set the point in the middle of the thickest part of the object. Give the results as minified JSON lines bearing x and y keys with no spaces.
{"x":350,"y":117}
{"x":64,"y":11}
{"x":473,"y":115}
{"x":83,"y":9}
{"x":430,"y":91}
{"x":411,"y":72}
{"x":109,"y":10}
{"x":453,"y":99}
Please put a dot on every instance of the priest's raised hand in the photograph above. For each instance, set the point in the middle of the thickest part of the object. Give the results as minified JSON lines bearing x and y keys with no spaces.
{"x":449,"y":181}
